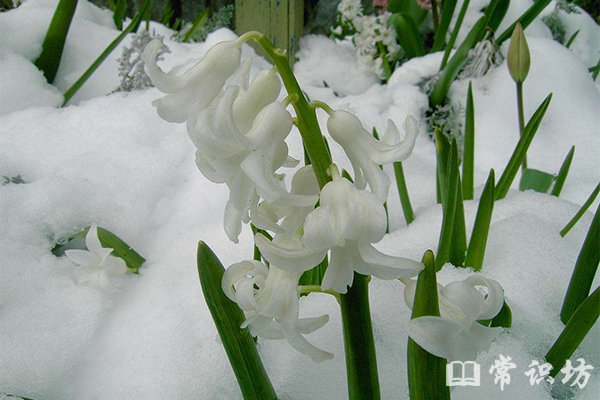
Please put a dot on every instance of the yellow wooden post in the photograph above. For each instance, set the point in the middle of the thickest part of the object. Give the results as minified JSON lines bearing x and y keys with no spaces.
{"x":281,"y":20}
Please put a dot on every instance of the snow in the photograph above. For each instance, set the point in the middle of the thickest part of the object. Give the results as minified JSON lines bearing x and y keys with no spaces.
{"x":110,"y":160}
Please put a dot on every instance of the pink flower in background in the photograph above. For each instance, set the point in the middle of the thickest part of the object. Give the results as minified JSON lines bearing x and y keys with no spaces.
{"x":380,"y":5}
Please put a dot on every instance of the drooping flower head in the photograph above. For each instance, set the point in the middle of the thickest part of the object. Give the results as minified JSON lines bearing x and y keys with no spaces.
{"x":456,"y":334}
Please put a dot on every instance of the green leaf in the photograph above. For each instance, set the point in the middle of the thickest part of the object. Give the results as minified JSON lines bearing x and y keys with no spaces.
{"x":439,"y":39}
{"x":581,"y":211}
{"x":572,"y":39}
{"x":119,"y":13}
{"x":409,"y":7}
{"x":502,"y":320}
{"x":584,"y":271}
{"x":120,"y":249}
{"x":458,"y":246}
{"x":54,"y":41}
{"x":454,"y":35}
{"x":426,"y":372}
{"x":133,"y":25}
{"x":407,"y":209}
{"x":238,"y":343}
{"x":469,"y":147}
{"x":520,"y":151}
{"x":481,"y":227}
{"x":408,"y":35}
{"x":534,"y":179}
{"x":575,"y":331}
{"x":525,"y":19}
{"x":495,"y":12}
{"x":562,"y":173}
{"x":199,"y":21}
{"x":449,"y":73}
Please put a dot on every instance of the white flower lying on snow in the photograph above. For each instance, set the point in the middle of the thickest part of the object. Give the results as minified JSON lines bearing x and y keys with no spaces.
{"x":347,"y":221}
{"x":96,"y":266}
{"x":269,"y":299}
{"x":366,"y":153}
{"x":456,"y":334}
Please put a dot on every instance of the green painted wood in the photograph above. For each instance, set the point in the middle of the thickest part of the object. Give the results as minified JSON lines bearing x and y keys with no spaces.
{"x":281,"y":20}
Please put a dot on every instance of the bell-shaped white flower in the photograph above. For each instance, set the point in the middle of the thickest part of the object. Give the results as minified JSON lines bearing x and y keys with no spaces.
{"x":456,"y":334}
{"x":347,"y":221}
{"x":269,"y":298}
{"x":96,"y":266}
{"x":366,"y":153}
{"x":195,"y":89}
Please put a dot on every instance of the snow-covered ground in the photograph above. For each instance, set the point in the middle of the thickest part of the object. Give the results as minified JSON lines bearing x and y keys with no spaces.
{"x":110,"y":160}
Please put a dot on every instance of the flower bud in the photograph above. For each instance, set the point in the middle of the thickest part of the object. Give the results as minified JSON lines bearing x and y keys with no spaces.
{"x":518,"y":55}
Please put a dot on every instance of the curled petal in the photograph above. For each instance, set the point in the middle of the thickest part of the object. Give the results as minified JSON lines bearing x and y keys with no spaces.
{"x":299,"y":342}
{"x":441,"y":337}
{"x":92,"y":241}
{"x":232,"y":222}
{"x":83,"y":257}
{"x":309,"y":325}
{"x":263,"y":90}
{"x":461,"y":301}
{"x":340,"y":271}
{"x":494,"y":299}
{"x":294,"y":259}
{"x":384,"y":266}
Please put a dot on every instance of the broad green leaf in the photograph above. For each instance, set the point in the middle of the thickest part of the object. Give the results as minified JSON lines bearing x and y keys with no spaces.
{"x":238,"y":343}
{"x":481,"y":227}
{"x":54,"y":41}
{"x":426,"y":372}
{"x":574,"y":332}
{"x":408,"y":35}
{"x":584,"y":271}
{"x":520,"y":151}
{"x":454,"y":35}
{"x":534,"y":179}
{"x":495,"y":12}
{"x":449,"y":73}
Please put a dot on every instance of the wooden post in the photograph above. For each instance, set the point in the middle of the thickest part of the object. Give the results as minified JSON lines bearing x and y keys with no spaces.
{"x":281,"y":20}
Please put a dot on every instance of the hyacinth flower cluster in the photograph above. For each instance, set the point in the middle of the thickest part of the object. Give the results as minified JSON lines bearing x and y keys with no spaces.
{"x":322,"y":218}
{"x":374,"y":40}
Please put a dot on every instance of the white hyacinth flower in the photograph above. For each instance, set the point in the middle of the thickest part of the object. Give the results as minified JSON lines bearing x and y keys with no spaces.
{"x":240,"y":140}
{"x":96,"y":266}
{"x":197,"y":87}
{"x":456,"y":334}
{"x":347,"y":221}
{"x":366,"y":153}
{"x":269,"y":298}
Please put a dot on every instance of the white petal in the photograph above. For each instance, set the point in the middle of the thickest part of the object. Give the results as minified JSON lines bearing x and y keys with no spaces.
{"x":463,"y":297}
{"x":114,"y":265}
{"x":263,"y":90}
{"x":83,"y":257}
{"x":494,"y":299}
{"x":232,"y":222}
{"x":298,"y":342}
{"x":436,"y":335}
{"x":318,"y":230}
{"x":309,"y":325}
{"x":92,"y":242}
{"x":387,"y":267}
{"x":340,"y":271}
{"x":289,"y":259}
{"x":257,"y":166}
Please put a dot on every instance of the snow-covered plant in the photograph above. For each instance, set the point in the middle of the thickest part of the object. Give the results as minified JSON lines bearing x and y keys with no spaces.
{"x":375,"y":42}
{"x":554,"y":22}
{"x":96,"y":265}
{"x":131,"y":65}
{"x":484,"y":57}
{"x":323,"y":220}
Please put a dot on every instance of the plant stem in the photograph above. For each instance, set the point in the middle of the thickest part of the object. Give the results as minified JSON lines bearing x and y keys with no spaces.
{"x":521,"y":118}
{"x":308,"y":125}
{"x":359,"y":345}
{"x":407,"y":209}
